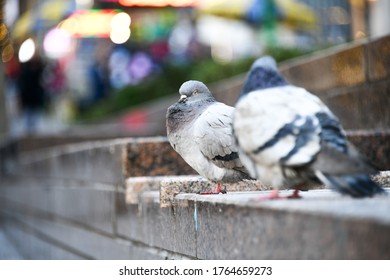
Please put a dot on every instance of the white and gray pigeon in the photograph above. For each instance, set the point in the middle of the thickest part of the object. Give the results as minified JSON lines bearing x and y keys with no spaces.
{"x":200,"y":129}
{"x":287,"y":137}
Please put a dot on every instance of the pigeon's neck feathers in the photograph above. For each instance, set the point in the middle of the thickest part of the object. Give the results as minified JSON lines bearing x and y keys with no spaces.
{"x":199,"y":100}
{"x":262,"y":78}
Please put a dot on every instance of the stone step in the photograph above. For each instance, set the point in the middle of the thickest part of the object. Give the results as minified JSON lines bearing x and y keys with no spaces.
{"x":170,"y":186}
{"x":322,"y":225}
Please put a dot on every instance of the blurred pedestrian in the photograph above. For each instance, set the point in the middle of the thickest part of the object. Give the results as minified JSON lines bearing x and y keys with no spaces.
{"x":32,"y":95}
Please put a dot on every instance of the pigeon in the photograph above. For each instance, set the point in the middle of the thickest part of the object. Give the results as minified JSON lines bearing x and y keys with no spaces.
{"x":200,"y":129}
{"x":288,"y":138}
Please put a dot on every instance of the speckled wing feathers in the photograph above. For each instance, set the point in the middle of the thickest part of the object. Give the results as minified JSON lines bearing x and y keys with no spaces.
{"x":213,"y":134}
{"x":287,"y":136}
{"x":200,"y":130}
{"x":290,"y":136}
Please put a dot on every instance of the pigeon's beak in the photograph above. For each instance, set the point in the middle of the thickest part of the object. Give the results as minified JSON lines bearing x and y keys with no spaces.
{"x":183,"y":97}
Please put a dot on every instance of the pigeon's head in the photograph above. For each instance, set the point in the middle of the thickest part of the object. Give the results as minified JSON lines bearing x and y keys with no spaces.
{"x":263,"y":74}
{"x":266,"y":62}
{"x":194,"y":90}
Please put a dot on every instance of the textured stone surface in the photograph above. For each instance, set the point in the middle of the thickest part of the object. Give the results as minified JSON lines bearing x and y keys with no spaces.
{"x":322,"y":225}
{"x":154,"y":157}
{"x":135,"y":186}
{"x":333,"y":68}
{"x":44,"y":238}
{"x":30,"y":246}
{"x":89,"y":204}
{"x":171,"y":186}
{"x":374,"y":145}
{"x":364,"y":107}
{"x":378,"y":59}
{"x":169,"y":229}
{"x":8,"y":250}
{"x":100,"y":161}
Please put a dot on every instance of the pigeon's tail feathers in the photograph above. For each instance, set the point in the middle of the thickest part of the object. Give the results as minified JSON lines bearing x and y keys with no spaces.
{"x":353,"y":185}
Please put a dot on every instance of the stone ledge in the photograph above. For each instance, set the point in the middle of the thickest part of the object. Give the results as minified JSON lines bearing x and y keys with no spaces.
{"x":318,"y":202}
{"x":171,"y":186}
{"x":322,"y":225}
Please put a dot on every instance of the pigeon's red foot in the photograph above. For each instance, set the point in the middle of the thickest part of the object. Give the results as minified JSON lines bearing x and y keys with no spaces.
{"x":275,"y":195}
{"x":217,"y":190}
{"x":295,"y":195}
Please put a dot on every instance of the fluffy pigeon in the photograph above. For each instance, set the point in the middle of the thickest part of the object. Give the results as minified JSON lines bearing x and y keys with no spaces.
{"x":200,"y":129}
{"x":288,"y":138}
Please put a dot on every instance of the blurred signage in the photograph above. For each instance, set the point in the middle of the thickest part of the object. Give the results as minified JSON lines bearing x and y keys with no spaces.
{"x":158,"y":3}
{"x":89,"y":23}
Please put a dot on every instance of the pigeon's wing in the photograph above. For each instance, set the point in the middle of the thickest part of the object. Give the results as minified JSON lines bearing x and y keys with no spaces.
{"x":292,"y":129}
{"x":340,"y":166}
{"x":337,"y":155}
{"x":214,"y":137}
{"x":279,"y":126}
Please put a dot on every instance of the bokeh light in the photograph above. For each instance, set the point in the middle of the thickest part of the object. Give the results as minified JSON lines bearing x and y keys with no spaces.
{"x":57,"y":43}
{"x":120,"y":28}
{"x":70,"y":25}
{"x":7,"y":53}
{"x":84,"y":4}
{"x":120,"y":20}
{"x":120,"y":36}
{"x":3,"y":31}
{"x":27,"y":50}
{"x":158,"y":3}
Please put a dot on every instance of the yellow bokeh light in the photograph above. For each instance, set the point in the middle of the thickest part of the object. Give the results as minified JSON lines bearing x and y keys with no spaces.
{"x":70,"y":25}
{"x":7,"y":53}
{"x":3,"y":31}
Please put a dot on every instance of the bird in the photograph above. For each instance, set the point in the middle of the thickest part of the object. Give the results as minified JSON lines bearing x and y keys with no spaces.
{"x":288,"y":138}
{"x":200,"y":130}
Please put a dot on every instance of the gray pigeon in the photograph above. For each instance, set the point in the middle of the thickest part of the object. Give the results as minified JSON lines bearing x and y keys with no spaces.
{"x":287,"y":137}
{"x":200,"y":129}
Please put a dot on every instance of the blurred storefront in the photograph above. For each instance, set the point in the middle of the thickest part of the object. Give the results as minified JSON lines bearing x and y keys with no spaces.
{"x":92,"y":47}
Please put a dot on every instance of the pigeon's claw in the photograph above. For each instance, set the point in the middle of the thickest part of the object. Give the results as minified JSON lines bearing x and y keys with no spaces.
{"x":217,"y":190}
{"x":295,"y":195}
{"x":275,"y":195}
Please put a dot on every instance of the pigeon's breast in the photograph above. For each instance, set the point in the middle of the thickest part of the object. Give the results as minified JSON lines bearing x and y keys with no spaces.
{"x":180,"y":116}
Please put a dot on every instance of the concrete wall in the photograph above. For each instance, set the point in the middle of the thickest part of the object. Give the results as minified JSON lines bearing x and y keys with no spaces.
{"x":69,"y":202}
{"x":75,"y":202}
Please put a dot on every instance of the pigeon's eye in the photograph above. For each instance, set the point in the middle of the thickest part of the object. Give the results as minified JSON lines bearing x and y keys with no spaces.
{"x":195,"y":92}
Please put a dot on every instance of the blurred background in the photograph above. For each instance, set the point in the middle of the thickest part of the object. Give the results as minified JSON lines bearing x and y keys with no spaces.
{"x":104,"y":66}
